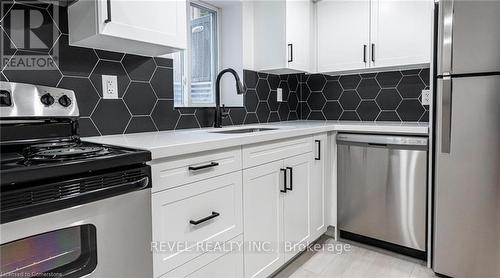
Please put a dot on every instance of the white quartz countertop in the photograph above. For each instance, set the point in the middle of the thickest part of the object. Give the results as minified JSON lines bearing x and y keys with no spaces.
{"x":171,"y":143}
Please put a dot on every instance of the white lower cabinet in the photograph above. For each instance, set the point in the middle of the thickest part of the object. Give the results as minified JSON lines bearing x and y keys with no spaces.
{"x":263,"y":219}
{"x":283,"y":207}
{"x":296,"y":204}
{"x":245,"y":223}
{"x":317,"y":190}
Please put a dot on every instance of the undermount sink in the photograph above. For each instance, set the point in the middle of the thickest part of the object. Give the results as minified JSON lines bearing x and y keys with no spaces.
{"x":244,"y":130}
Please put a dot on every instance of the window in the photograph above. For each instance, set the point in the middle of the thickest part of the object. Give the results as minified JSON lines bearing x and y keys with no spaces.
{"x":196,"y":68}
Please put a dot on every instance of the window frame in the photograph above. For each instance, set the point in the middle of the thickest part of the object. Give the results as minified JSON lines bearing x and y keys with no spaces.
{"x":186,"y":57}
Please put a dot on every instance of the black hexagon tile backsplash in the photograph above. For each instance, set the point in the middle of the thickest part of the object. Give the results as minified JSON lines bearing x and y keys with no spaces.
{"x":376,"y":96}
{"x":145,"y":88}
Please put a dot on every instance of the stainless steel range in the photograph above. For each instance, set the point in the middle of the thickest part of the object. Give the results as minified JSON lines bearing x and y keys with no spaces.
{"x":68,"y":208}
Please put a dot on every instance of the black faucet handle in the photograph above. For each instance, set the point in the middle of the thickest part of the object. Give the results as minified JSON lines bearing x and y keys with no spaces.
{"x":224,"y":112}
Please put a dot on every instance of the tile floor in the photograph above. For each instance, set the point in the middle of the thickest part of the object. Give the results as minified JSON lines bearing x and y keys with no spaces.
{"x":357,"y":262}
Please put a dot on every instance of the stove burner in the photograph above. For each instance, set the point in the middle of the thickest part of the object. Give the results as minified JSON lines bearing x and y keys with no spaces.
{"x":69,"y":153}
{"x":53,"y":145}
{"x":33,"y":149}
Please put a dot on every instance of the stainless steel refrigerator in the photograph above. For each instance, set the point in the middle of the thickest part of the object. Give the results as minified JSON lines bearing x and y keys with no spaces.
{"x":467,"y":146}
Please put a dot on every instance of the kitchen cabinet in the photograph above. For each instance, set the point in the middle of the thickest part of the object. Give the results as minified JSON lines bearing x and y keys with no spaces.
{"x":401,"y":32}
{"x":317,"y":190}
{"x":279,"y":200}
{"x":263,"y":219}
{"x":343,"y":35}
{"x":373,"y":33}
{"x":282,"y":36}
{"x":296,"y":204}
{"x":150,"y":28}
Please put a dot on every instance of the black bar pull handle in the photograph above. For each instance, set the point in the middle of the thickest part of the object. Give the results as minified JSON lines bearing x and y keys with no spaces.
{"x":291,"y":178}
{"x":210,"y":165}
{"x":199,"y":221}
{"x":108,"y":4}
{"x":284,"y":181}
{"x":364,"y":53}
{"x":290,"y":50}
{"x":373,"y":52}
{"x":318,"y":154}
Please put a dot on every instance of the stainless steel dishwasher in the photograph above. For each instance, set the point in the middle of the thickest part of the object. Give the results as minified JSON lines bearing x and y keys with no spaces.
{"x":382,"y":183}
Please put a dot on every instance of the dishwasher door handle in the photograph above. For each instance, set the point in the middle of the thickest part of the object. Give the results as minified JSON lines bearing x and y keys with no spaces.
{"x":381,"y":140}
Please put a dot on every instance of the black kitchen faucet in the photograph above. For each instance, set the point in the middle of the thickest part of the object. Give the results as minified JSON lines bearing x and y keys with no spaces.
{"x":239,"y":90}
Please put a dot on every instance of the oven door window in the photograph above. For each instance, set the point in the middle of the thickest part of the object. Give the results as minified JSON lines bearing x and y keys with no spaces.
{"x":69,"y":252}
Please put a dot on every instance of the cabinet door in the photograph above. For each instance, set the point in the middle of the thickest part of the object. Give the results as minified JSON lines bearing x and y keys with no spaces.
{"x":298,"y":34}
{"x":343,"y":31}
{"x":317,"y":188}
{"x":155,"y":22}
{"x":401,"y":32}
{"x":296,"y":205}
{"x":263,"y":218}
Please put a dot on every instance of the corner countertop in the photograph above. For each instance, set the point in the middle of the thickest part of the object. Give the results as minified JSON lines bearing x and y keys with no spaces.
{"x":164,"y":144}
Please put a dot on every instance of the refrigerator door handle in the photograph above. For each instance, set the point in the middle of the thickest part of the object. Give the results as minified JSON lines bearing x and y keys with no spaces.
{"x":445,"y":40}
{"x":446,"y":102}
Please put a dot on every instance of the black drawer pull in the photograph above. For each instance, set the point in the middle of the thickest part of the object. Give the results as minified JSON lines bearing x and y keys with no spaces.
{"x":284,"y":181}
{"x":291,"y":178}
{"x":197,"y":222}
{"x":196,"y":168}
{"x":318,"y":156}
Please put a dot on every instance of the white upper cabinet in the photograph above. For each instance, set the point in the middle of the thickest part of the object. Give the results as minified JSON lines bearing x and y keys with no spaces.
{"x":373,"y":33}
{"x":400,"y":32}
{"x":343,"y":34}
{"x":282,"y":36}
{"x":149,"y":28}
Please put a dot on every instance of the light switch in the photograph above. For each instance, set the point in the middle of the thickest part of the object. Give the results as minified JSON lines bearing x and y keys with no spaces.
{"x":109,"y":87}
{"x":279,"y":95}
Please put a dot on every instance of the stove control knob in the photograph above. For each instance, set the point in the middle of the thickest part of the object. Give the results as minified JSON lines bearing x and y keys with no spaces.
{"x":65,"y":101}
{"x":47,"y":99}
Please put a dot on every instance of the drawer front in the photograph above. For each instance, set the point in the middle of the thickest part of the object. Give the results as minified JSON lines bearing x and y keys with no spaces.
{"x":194,"y":167}
{"x":217,"y":264}
{"x":191,"y":216}
{"x":262,"y":153}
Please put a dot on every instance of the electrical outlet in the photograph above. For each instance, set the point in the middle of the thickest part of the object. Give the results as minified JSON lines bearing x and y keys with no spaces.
{"x":426,"y":97}
{"x":109,"y":87}
{"x":279,"y":95}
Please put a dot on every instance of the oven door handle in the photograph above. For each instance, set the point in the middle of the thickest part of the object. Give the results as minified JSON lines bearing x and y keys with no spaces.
{"x":74,"y":200}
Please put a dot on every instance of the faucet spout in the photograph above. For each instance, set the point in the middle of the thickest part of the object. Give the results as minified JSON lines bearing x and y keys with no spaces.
{"x":240,"y":89}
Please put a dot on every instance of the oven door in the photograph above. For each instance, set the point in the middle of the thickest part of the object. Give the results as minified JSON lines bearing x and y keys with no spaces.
{"x":105,"y":238}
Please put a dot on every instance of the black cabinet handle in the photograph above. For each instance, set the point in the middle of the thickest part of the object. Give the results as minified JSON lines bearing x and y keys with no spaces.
{"x":318,"y":154}
{"x":373,"y":52}
{"x":108,"y":4}
{"x":364,"y":53}
{"x":290,"y":48}
{"x":197,"y":222}
{"x":284,"y":181}
{"x":291,"y":178}
{"x":196,"y":168}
